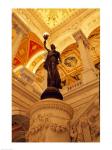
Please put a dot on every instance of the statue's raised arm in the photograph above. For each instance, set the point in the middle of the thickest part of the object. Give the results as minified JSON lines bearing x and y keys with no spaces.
{"x":46,"y":46}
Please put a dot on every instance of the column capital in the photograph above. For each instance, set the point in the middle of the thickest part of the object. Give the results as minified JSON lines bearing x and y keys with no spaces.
{"x":79,"y":35}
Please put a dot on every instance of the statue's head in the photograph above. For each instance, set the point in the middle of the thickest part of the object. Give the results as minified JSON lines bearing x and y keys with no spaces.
{"x":53,"y":47}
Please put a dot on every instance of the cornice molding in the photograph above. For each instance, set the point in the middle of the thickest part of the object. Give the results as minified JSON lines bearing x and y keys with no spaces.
{"x":52,"y":103}
{"x":81,"y":89}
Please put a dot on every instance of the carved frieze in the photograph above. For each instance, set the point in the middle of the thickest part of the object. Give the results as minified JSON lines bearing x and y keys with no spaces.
{"x":87,"y":127}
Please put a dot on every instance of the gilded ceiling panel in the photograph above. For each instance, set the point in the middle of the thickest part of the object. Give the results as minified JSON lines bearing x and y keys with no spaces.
{"x":54,"y":17}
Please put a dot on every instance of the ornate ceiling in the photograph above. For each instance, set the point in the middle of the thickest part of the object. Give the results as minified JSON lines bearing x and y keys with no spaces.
{"x":54,"y":17}
{"x":50,"y":20}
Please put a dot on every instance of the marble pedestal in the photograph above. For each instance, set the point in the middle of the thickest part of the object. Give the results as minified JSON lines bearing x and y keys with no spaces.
{"x":50,"y":121}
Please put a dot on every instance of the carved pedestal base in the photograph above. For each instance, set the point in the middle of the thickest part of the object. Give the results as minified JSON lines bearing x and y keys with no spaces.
{"x":50,"y":121}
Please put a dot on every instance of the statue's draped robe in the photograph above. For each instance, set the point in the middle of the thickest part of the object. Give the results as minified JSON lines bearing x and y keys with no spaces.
{"x":53,"y":77}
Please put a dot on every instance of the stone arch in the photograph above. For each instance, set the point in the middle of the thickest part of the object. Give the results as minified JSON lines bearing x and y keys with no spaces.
{"x":94,"y":32}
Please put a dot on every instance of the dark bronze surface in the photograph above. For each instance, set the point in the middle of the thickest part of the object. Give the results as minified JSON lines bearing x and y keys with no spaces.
{"x":53,"y":77}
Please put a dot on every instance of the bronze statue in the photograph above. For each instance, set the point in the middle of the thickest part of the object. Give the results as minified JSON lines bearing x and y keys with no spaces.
{"x":53,"y":77}
{"x":52,"y":60}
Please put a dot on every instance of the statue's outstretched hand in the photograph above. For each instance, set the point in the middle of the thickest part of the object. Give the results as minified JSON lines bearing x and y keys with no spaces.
{"x":45,"y":36}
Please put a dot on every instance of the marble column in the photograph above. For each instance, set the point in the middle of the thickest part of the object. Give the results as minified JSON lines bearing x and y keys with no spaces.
{"x":50,"y":121}
{"x":88,"y":73}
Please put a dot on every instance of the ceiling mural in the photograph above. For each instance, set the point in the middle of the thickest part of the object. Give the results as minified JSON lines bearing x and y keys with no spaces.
{"x":29,"y":46}
{"x":71,"y":58}
{"x":70,"y":61}
{"x":71,"y":65}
